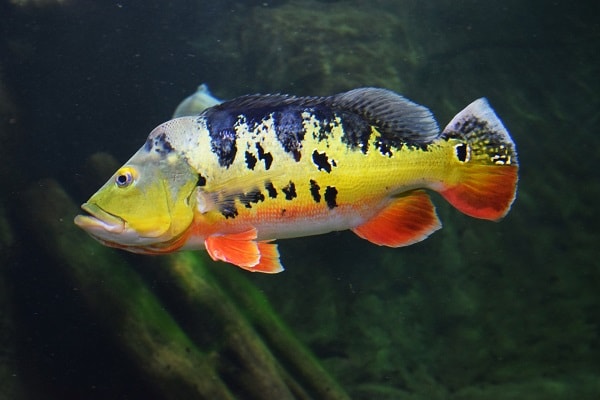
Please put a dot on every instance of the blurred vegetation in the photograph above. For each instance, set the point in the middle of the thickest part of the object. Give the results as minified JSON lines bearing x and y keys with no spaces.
{"x":10,"y":379}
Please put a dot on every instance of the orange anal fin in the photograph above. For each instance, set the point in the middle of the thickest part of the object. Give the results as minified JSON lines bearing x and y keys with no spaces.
{"x":484,"y":191}
{"x":242,"y":250}
{"x":406,"y":220}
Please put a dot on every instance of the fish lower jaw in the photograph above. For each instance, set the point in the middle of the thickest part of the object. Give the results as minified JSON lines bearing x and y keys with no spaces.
{"x":107,"y":228}
{"x":99,"y":220}
{"x":92,"y":225}
{"x":125,"y":239}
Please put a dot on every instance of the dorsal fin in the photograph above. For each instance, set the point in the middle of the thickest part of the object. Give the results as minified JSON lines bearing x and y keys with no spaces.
{"x":389,"y":112}
{"x":253,"y":102}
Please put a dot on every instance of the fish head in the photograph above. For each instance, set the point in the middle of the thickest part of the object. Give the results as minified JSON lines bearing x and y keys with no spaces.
{"x":145,"y":206}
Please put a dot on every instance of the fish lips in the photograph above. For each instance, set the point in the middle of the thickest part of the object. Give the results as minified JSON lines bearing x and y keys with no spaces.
{"x":99,"y":222}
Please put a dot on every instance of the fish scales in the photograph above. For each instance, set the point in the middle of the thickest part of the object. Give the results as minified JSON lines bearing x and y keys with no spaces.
{"x":265,"y":167}
{"x":308,"y":141}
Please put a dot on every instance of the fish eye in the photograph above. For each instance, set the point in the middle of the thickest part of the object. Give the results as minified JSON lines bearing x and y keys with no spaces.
{"x":125,"y":177}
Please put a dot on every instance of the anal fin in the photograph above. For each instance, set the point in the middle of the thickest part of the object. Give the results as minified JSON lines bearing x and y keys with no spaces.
{"x":408,"y":219}
{"x":242,"y":250}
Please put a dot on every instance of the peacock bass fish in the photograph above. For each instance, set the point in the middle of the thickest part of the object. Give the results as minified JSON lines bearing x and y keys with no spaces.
{"x":264,"y":167}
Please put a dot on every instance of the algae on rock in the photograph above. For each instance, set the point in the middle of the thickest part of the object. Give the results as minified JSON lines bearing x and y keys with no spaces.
{"x":321,"y":48}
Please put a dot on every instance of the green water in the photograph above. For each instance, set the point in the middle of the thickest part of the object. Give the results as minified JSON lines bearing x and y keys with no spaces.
{"x":480,"y":310}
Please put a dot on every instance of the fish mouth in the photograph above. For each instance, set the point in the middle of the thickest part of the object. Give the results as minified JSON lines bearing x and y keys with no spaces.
{"x":99,"y":220}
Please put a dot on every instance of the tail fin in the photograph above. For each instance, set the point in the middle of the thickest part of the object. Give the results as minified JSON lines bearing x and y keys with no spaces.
{"x":485,"y":183}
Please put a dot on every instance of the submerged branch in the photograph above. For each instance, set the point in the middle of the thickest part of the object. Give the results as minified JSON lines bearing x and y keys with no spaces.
{"x":231,"y":344}
{"x":165,"y":354}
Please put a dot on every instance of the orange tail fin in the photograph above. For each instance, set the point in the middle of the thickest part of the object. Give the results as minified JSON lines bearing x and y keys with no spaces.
{"x":485,"y":182}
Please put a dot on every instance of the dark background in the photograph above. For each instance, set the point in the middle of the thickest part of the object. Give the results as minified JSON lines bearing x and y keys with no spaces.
{"x":90,"y":76}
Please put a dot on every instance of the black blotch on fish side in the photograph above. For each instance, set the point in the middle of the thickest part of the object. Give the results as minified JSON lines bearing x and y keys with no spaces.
{"x":271,"y":191}
{"x":321,"y":161}
{"x":266,"y":157}
{"x":222,"y":135}
{"x":228,"y":208}
{"x":290,"y":191}
{"x":314,"y":191}
{"x":201,"y":181}
{"x":289,"y":131}
{"x":325,"y":123}
{"x":385,"y":144}
{"x":253,"y":196}
{"x":250,"y":160}
{"x":357,"y":132}
{"x":330,"y":196}
{"x":159,"y":143}
{"x":148,"y":144}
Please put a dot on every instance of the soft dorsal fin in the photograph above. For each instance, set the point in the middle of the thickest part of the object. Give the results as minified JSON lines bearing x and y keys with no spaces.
{"x":391,"y":113}
{"x":388,"y":111}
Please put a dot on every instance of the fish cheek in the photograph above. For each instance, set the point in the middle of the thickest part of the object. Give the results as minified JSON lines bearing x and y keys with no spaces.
{"x":148,"y":211}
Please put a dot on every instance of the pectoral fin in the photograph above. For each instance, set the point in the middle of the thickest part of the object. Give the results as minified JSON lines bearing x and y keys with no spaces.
{"x":406,"y":220}
{"x":243,"y":250}
{"x":269,"y":259}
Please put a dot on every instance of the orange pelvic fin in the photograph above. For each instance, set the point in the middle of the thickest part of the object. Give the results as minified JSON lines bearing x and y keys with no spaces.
{"x":484,"y":191}
{"x":407,"y":220}
{"x":242,"y":250}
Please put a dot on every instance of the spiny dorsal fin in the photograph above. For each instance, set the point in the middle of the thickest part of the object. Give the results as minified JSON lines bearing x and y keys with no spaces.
{"x":391,"y":113}
{"x":253,"y":102}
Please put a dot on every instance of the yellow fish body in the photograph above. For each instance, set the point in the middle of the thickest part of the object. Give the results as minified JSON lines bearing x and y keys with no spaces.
{"x":265,"y":167}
